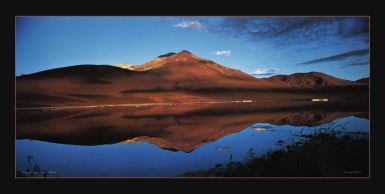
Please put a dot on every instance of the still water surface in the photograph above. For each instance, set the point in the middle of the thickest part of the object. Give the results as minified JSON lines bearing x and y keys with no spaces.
{"x":178,"y":142}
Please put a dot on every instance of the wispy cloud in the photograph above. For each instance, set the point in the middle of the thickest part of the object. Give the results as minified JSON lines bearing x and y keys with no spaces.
{"x":338,"y":57}
{"x":298,"y":31}
{"x":264,"y":72}
{"x":359,"y":63}
{"x":197,"y":25}
{"x":226,"y":53}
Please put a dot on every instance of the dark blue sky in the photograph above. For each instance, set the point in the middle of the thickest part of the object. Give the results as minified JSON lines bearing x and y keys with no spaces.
{"x":261,"y":46}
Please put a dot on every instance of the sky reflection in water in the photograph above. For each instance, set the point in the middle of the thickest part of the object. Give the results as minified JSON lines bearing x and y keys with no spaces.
{"x":142,"y":159}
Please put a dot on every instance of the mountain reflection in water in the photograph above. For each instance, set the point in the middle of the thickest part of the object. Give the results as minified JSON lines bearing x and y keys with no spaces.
{"x":175,"y":128}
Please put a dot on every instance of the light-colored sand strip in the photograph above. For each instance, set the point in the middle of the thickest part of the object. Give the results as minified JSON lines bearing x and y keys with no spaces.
{"x":319,"y":99}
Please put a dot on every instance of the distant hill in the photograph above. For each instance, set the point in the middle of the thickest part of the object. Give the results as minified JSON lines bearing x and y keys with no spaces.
{"x":310,"y":80}
{"x":363,"y":80}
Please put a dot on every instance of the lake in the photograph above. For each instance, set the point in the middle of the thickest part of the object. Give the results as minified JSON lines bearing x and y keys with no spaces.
{"x":169,"y":141}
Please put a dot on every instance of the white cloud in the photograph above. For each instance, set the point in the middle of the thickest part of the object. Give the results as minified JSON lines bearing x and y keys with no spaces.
{"x":264,"y":72}
{"x":191,"y":24}
{"x":226,"y":53}
{"x":261,"y":72}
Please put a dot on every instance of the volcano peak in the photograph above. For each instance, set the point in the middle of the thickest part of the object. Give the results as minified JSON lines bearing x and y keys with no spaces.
{"x":185,"y":51}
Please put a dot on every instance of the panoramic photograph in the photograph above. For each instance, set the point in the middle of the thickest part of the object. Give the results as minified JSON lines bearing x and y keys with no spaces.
{"x":192,"y":96}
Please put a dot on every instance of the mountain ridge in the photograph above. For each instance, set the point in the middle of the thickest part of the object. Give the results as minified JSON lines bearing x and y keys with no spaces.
{"x":179,"y":77}
{"x":310,"y":79}
{"x":364,"y":80}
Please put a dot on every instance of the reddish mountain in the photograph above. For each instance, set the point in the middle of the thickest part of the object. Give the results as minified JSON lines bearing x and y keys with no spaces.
{"x":173,"y":77}
{"x":185,"y":70}
{"x":310,"y":80}
{"x":182,"y":72}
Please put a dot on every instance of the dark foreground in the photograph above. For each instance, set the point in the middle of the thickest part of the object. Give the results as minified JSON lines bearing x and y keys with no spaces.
{"x":317,"y":155}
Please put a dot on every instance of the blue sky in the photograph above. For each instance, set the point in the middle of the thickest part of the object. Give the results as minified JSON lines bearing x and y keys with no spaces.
{"x":261,"y":46}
